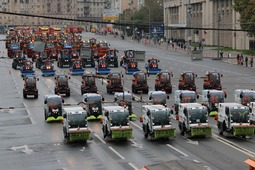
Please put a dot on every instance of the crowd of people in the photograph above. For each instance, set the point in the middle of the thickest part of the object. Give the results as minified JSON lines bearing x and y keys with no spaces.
{"x":241,"y":60}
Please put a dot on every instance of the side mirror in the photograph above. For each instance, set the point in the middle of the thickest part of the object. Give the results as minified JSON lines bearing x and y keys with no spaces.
{"x":45,"y":102}
{"x":141,"y":119}
{"x":227,"y":111}
{"x":133,"y":98}
{"x":180,"y":96}
{"x":250,"y":110}
{"x":85,"y":100}
{"x":150,"y":98}
{"x":82,"y":82}
{"x":197,"y":96}
{"x":115,"y":99}
{"x":167,"y":96}
{"x":208,"y":95}
{"x":221,"y":75}
{"x":172,"y":112}
{"x":122,"y":75}
{"x":55,"y":78}
{"x":64,"y":115}
{"x":158,"y":61}
{"x":196,"y":75}
{"x":37,"y":79}
{"x":109,"y":45}
{"x":225,"y":95}
{"x":63,"y":101}
{"x":69,"y":77}
{"x":241,"y":95}
{"x":108,"y":81}
{"x":102,"y":98}
{"x":148,"y":113}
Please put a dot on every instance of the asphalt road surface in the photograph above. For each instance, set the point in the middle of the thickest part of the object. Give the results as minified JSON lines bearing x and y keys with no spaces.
{"x":28,"y":142}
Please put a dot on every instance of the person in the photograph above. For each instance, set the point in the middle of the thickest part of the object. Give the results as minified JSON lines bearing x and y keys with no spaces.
{"x":238,"y":59}
{"x":251,"y":61}
{"x":221,"y":54}
{"x":229,"y":55}
{"x":241,"y":58}
{"x":246,"y":61}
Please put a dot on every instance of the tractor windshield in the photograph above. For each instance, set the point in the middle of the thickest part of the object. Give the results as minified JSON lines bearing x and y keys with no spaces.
{"x":77,"y":120}
{"x":54,"y":102}
{"x":111,"y":53}
{"x":188,"y":98}
{"x":62,"y":81}
{"x":248,"y":97}
{"x":159,"y":98}
{"x":215,"y":78}
{"x":90,"y":81}
{"x":189,"y":77}
{"x":197,"y":116}
{"x":50,"y":45}
{"x":165,"y":77}
{"x":239,"y":115}
{"x":30,"y":82}
{"x":103,"y":45}
{"x":119,"y":118}
{"x":161,"y":118}
{"x":217,"y":97}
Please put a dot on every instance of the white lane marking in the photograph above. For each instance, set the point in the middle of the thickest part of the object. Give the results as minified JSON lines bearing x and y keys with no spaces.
{"x":116,"y":153}
{"x":170,"y":146}
{"x":100,"y":138}
{"x":133,"y":166}
{"x":196,"y":161}
{"x":29,"y":114}
{"x":233,"y":145}
{"x":136,"y":125}
{"x":192,"y":142}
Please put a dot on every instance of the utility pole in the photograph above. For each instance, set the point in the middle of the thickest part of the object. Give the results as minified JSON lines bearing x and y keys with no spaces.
{"x":189,"y":24}
{"x":219,"y":19}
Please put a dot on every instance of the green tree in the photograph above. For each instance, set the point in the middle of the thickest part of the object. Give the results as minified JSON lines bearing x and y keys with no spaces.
{"x":246,"y":8}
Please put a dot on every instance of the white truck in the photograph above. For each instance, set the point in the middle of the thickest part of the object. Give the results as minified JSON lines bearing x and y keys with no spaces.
{"x":183,"y":96}
{"x":211,"y":99}
{"x":115,"y":123}
{"x":244,"y":96}
{"x":252,"y":113}
{"x":156,"y":122}
{"x":233,"y":118}
{"x":193,"y":120}
{"x":75,"y":127}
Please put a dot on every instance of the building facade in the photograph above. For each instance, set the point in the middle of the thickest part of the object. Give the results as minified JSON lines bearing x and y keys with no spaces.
{"x":215,"y":14}
{"x":55,"y":8}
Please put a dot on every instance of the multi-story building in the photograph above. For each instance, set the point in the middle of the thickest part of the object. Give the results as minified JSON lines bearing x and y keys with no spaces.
{"x":205,"y":14}
{"x":55,"y":8}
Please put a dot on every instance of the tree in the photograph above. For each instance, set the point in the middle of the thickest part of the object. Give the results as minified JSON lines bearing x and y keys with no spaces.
{"x":246,"y":8}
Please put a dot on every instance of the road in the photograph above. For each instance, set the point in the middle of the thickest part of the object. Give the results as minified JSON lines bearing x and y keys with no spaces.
{"x":28,"y":142}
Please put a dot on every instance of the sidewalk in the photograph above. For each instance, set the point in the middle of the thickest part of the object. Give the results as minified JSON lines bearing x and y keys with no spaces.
{"x":208,"y":52}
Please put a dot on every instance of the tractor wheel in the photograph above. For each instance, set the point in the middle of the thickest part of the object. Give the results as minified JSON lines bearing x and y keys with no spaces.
{"x":105,"y":131}
{"x":146,"y":129}
{"x":220,"y":128}
{"x":36,"y":96}
{"x":116,"y":64}
{"x":183,"y":129}
{"x":55,"y":91}
{"x":68,"y":94}
{"x":24,"y":95}
{"x":45,"y":115}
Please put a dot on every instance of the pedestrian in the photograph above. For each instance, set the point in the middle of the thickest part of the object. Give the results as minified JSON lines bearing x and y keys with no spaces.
{"x":221,"y":54}
{"x":241,"y":58}
{"x":238,"y":59}
{"x":229,"y":55}
{"x":246,"y":61}
{"x":251,"y":61}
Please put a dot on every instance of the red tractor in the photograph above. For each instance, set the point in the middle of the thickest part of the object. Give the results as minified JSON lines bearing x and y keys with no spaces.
{"x":74,"y":54}
{"x":163,"y":82}
{"x":102,"y":47}
{"x":139,"y":82}
{"x":114,"y":82}
{"x":88,"y":84}
{"x":62,"y":87}
{"x":131,"y":66}
{"x":212,"y":81}
{"x":187,"y":81}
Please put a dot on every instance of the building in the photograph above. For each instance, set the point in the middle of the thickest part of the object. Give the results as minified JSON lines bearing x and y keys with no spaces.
{"x":205,"y":14}
{"x":55,"y":8}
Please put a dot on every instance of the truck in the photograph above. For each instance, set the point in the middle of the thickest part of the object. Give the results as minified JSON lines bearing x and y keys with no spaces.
{"x":30,"y":87}
{"x":156,"y":122}
{"x":75,"y":125}
{"x":86,"y":54}
{"x":53,"y":105}
{"x":88,"y":84}
{"x":233,"y":118}
{"x":111,"y":57}
{"x":212,"y":80}
{"x":139,"y":82}
{"x":187,"y":81}
{"x":115,"y":123}
{"x":93,"y":105}
{"x":193,"y":120}
{"x":125,"y":99}
{"x":244,"y":96}
{"x":163,"y":82}
{"x":211,"y":99}
{"x":114,"y":83}
{"x":152,"y":66}
{"x":61,"y":85}
{"x":158,"y":97}
{"x":183,"y":96}
{"x":252,"y":113}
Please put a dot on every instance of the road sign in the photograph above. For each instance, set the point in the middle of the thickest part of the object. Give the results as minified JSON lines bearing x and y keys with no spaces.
{"x":157,"y":29}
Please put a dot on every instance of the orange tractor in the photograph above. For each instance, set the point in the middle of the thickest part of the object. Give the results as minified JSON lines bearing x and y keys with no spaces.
{"x":163,"y":82}
{"x":212,"y":80}
{"x":187,"y":81}
{"x":139,"y":82}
